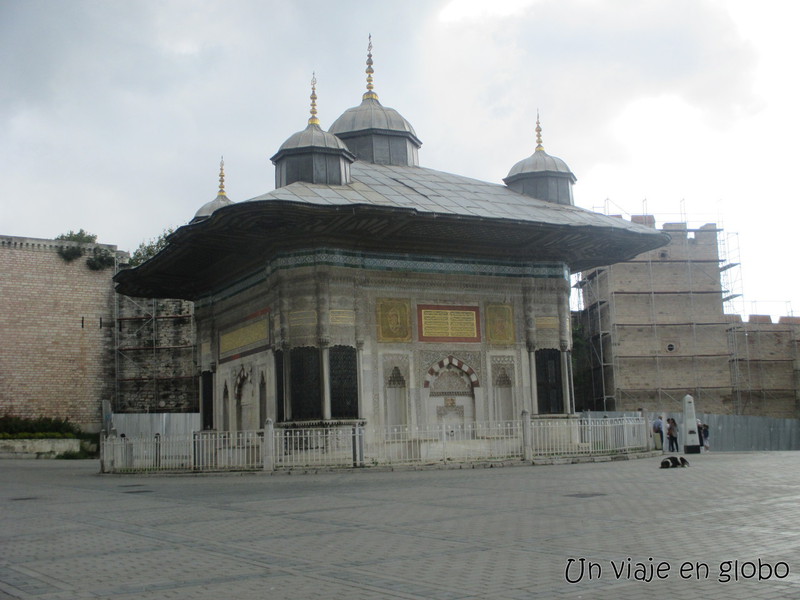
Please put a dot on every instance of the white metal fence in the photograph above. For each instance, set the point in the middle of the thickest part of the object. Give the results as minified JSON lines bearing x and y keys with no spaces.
{"x":588,"y":437}
{"x":319,"y":447}
{"x":143,"y":424}
{"x":200,"y":451}
{"x":446,"y":442}
{"x":344,"y":445}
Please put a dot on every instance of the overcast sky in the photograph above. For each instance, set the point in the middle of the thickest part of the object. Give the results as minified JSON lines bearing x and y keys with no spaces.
{"x":114,"y":114}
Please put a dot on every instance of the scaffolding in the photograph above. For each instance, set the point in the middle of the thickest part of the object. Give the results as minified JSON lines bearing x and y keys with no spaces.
{"x":155,"y":356}
{"x":629,"y":312}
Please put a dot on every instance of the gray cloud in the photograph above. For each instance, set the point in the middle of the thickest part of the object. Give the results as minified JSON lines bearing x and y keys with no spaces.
{"x":113,"y":115}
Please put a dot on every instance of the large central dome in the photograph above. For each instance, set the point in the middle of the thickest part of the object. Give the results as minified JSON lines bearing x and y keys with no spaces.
{"x":377,"y":133}
{"x":372,"y":115}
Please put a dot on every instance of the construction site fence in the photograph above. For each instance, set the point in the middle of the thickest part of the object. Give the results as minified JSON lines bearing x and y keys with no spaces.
{"x":275,"y":448}
{"x":729,"y":433}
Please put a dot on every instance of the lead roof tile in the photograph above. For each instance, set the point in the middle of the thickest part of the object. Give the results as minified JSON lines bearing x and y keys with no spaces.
{"x":442,"y":193}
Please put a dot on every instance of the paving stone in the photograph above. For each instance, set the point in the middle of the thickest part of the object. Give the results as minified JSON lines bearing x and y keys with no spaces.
{"x":67,"y":533}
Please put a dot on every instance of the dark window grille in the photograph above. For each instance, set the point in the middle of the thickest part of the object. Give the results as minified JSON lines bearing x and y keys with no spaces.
{"x":344,"y":382}
{"x":548,"y":382}
{"x":280,"y":414}
{"x":305,"y":384}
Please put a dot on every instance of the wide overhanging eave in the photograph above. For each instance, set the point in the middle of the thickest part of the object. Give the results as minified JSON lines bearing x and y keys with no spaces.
{"x":240,"y":238}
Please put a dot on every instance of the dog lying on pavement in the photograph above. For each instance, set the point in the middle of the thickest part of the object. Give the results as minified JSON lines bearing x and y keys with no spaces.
{"x":670,"y":462}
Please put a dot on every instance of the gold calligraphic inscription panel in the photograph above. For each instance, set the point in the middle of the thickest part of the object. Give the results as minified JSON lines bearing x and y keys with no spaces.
{"x":243,"y":336}
{"x":449,"y":323}
{"x":342,"y":317}
{"x":394,"y":320}
{"x":303,"y":317}
{"x":546,"y":322}
{"x":500,"y":323}
{"x":445,"y":323}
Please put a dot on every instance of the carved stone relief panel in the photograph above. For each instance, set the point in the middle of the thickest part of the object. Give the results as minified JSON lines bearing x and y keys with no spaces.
{"x":395,"y":392}
{"x":503,"y":371}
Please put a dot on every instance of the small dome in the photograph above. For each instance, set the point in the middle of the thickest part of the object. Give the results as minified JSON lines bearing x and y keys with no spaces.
{"x":372,"y":115}
{"x":540,"y":162}
{"x":542,"y":176}
{"x":221,"y":200}
{"x":312,"y":137}
{"x":209,"y":207}
{"x":312,"y":155}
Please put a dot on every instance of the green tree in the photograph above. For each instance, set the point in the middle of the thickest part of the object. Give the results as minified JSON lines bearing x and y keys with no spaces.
{"x":84,"y":237}
{"x":70,"y":253}
{"x":150,"y":248}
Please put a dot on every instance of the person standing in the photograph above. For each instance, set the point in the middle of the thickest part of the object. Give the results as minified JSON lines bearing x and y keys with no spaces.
{"x":658,"y":433}
{"x":672,"y":434}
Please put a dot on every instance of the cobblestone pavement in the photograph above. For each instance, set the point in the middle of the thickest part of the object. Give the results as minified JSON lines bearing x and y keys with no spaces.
{"x":68,"y":533}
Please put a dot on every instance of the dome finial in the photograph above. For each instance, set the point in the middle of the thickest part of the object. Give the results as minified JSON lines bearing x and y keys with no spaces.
{"x":313,"y":120}
{"x":369,"y":93}
{"x":538,"y":133}
{"x":221,"y":176}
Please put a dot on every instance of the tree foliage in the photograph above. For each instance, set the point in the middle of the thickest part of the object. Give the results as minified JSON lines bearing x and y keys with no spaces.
{"x":101,"y":258}
{"x":16,"y":425}
{"x":150,"y":248}
{"x":81,"y":236}
{"x":70,"y":253}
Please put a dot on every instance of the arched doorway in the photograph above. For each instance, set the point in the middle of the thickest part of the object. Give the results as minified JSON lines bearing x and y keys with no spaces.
{"x":451,"y":396}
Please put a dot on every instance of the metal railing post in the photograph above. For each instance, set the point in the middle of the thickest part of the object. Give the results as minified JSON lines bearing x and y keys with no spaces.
{"x":527,"y":450}
{"x":157,"y":451}
{"x":358,"y":446}
{"x":360,"y":430}
{"x":268,"y":447}
{"x":103,"y":450}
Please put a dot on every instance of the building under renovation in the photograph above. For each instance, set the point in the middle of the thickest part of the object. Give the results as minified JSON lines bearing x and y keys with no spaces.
{"x":655,"y":328}
{"x":367,"y":287}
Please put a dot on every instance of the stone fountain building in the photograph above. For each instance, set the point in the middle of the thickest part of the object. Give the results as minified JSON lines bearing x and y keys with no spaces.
{"x":368,"y":288}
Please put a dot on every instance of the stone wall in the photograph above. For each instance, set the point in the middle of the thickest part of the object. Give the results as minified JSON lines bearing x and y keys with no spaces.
{"x":45,"y":448}
{"x":766,"y":366}
{"x":655,"y":330}
{"x":56,"y":319}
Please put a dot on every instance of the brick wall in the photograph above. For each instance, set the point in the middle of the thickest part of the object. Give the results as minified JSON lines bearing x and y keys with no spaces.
{"x":56,"y":325}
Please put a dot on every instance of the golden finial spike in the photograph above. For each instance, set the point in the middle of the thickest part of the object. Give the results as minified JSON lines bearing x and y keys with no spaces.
{"x":313,"y":120}
{"x":370,"y":87}
{"x":538,"y":134}
{"x":221,"y":176}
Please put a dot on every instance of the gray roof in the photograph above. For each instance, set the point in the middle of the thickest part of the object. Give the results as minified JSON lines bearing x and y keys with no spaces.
{"x":430,"y":191}
{"x":398,"y":210}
